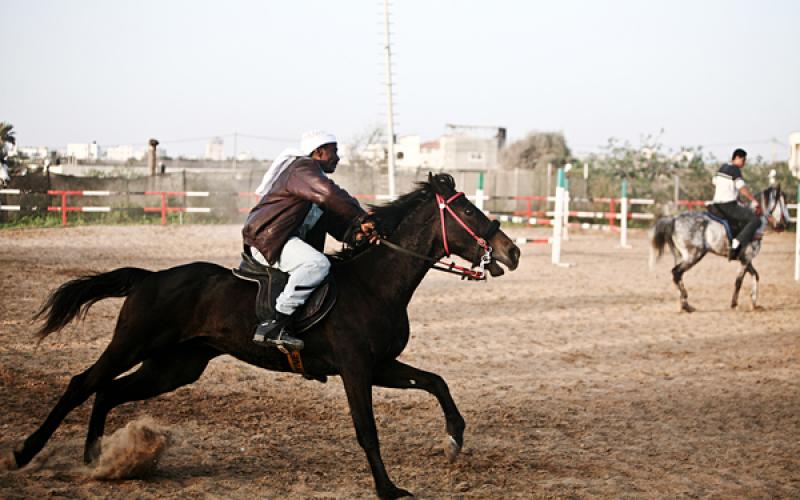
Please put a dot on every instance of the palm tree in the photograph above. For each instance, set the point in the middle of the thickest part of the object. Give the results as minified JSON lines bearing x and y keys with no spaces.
{"x":6,"y":135}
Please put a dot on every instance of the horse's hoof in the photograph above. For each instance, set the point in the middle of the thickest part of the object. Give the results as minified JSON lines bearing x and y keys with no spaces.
{"x":395,"y":492}
{"x":92,"y":452}
{"x":451,"y":449}
{"x":8,"y":461}
{"x":688,"y":308}
{"x":758,"y":308}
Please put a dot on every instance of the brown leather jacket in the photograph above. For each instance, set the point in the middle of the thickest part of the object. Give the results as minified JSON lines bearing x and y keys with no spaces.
{"x":281,"y":211}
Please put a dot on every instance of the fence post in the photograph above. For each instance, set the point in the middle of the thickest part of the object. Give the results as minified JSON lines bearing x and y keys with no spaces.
{"x":558,"y":219}
{"x":63,"y":208}
{"x":797,"y":237}
{"x":623,"y":234}
{"x":163,"y":208}
{"x":565,"y":229}
{"x":479,"y":193}
{"x":612,"y":210}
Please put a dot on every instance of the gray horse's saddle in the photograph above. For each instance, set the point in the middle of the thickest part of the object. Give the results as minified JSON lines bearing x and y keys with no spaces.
{"x":271,"y":283}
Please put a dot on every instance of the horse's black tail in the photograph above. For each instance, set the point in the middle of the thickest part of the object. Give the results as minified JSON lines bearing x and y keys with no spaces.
{"x":661,"y":235}
{"x":75,"y":297}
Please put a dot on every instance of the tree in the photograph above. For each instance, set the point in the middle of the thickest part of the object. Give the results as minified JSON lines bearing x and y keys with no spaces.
{"x":536,"y":150}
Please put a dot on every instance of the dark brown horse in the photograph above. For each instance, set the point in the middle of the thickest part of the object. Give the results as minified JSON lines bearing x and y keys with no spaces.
{"x":174,"y":321}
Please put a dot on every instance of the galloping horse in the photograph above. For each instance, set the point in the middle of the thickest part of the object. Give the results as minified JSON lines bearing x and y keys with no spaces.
{"x":691,"y":235}
{"x":176,"y":320}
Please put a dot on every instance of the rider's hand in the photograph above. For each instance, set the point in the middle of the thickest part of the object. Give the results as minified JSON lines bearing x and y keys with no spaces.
{"x":367,"y":230}
{"x":757,"y":208}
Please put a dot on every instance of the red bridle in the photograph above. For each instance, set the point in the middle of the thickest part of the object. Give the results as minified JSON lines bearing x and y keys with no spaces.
{"x":452,"y":267}
{"x":445,"y":205}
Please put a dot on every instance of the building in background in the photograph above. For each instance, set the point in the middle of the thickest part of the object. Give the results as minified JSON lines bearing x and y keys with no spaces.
{"x":84,"y":151}
{"x":123,"y":152}
{"x":215,"y":149}
{"x":455,"y":151}
{"x":430,"y":155}
{"x":794,"y":153}
{"x":245,"y":156}
{"x":34,"y":152}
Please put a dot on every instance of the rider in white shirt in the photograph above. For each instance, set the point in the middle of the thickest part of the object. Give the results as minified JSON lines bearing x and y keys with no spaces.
{"x":729,"y":185}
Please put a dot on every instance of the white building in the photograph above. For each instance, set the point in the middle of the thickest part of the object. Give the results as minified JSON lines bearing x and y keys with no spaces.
{"x":215,"y":150}
{"x":794,"y":153}
{"x":84,"y":151}
{"x":123,"y":152}
{"x":245,"y":156}
{"x":449,"y":152}
{"x":430,"y":155}
{"x":466,"y":152}
{"x":34,"y":152}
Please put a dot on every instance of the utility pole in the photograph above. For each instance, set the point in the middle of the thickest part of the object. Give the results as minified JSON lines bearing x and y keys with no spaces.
{"x":151,"y":156}
{"x":390,"y":108}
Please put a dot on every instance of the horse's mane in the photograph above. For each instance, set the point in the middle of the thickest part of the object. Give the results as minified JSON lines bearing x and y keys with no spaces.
{"x":389,"y":216}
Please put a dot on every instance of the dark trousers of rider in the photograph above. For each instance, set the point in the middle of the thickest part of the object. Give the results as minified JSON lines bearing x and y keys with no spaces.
{"x":733,"y":211}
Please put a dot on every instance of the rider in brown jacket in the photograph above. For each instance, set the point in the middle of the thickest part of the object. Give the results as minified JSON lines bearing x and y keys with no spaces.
{"x":286,"y":229}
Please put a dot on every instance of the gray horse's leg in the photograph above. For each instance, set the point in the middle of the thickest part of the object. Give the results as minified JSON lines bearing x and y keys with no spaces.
{"x":754,"y":290}
{"x":677,"y":278}
{"x":739,"y":280}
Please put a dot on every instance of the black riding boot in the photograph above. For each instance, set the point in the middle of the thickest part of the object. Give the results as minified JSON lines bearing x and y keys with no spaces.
{"x":273,"y":332}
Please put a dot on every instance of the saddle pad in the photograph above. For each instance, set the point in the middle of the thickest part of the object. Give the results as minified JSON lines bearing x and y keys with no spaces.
{"x":722,"y":221}
{"x":271,"y":283}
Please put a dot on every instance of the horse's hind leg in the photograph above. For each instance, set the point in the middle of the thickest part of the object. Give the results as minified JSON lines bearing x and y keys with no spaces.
{"x":166,"y":372}
{"x":677,"y":278}
{"x":112,"y":363}
{"x":401,"y":376}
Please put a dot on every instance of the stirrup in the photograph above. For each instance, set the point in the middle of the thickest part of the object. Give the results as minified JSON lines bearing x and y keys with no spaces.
{"x":274,"y":333}
{"x":286,"y":343}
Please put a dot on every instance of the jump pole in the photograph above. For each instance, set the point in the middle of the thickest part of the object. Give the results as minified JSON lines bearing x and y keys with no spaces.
{"x":623,"y":233}
{"x":558,"y":219}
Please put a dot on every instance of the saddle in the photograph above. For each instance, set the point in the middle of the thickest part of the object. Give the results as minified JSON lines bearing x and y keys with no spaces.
{"x":716,"y":216}
{"x":271,"y":283}
{"x":732,"y":228}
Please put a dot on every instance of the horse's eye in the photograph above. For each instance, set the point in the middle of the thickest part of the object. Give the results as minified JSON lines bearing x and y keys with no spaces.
{"x":469,"y":211}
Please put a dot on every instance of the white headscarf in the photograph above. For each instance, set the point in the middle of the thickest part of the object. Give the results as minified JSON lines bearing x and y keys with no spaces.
{"x":315,"y":138}
{"x":308,"y":143}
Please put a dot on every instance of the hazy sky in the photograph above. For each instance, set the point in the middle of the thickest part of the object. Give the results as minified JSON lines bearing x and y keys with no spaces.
{"x":714,"y":73}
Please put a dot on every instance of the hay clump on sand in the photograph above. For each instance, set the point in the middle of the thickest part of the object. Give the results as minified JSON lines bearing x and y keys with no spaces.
{"x":133,"y":451}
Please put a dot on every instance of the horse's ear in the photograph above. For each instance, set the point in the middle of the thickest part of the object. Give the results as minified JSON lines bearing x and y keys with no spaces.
{"x":430,"y":177}
{"x":444,"y":184}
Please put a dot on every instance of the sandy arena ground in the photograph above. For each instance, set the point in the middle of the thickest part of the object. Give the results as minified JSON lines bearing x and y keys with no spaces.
{"x":580,"y":382}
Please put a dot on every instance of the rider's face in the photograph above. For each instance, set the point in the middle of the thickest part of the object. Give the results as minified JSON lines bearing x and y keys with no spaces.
{"x":739,"y":161}
{"x":328,"y":156}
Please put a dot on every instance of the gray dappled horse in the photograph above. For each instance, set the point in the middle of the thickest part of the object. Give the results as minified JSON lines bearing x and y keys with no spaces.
{"x":691,"y":235}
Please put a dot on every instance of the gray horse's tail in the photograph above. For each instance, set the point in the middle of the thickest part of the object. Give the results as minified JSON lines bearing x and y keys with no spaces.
{"x":660,"y":236}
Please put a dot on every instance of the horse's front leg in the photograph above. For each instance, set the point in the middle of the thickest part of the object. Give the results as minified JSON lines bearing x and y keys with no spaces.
{"x":401,"y":376}
{"x":358,"y":387}
{"x":739,"y":280}
{"x":754,"y":291}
